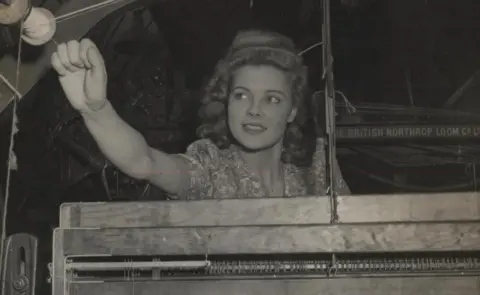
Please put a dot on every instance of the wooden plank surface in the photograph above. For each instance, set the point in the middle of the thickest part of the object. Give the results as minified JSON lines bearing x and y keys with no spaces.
{"x":272,"y":239}
{"x":58,"y":264}
{"x":301,"y":210}
{"x":409,"y":207}
{"x":308,"y":210}
{"x":336,"y":286}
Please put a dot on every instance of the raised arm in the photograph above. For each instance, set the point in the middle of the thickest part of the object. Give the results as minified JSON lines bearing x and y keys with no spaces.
{"x":83,"y":78}
{"x":127,"y":149}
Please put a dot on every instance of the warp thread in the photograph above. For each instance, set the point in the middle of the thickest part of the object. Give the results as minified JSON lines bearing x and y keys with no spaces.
{"x":12,"y":159}
{"x":39,"y":24}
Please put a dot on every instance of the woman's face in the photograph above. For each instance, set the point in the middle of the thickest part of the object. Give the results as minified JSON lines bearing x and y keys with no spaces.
{"x":260,"y":105}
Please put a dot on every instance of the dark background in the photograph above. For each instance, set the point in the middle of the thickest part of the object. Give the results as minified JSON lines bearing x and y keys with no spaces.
{"x":158,"y":58}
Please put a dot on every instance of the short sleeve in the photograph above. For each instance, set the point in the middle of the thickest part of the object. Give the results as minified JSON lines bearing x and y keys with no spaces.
{"x":202,"y":158}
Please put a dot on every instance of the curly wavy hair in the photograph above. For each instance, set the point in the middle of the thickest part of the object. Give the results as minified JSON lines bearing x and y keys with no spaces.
{"x":255,"y":48}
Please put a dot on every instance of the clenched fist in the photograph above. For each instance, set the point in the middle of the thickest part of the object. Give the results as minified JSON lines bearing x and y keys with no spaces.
{"x":82,"y":74}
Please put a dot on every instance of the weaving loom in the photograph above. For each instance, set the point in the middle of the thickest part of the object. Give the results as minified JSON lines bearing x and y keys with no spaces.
{"x":382,"y":244}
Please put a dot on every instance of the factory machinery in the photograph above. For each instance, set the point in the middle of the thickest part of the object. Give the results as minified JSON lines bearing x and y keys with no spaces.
{"x":414,"y":244}
{"x":378,"y":244}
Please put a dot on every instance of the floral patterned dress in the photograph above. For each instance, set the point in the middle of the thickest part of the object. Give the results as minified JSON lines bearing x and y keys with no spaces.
{"x":222,"y":174}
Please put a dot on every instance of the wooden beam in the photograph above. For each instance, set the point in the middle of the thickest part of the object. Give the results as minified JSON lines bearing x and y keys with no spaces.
{"x":270,"y":211}
{"x":311,"y":210}
{"x":335,"y":286}
{"x":409,"y":207}
{"x":58,"y":263}
{"x":272,"y":239}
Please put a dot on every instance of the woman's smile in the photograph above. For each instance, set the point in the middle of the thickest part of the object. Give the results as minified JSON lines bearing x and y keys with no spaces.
{"x":254,"y":128}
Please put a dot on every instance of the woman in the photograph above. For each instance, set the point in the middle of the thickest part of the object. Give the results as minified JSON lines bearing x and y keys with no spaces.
{"x":252,"y":112}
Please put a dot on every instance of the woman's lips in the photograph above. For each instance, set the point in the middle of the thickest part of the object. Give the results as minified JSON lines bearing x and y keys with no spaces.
{"x":253,"y":128}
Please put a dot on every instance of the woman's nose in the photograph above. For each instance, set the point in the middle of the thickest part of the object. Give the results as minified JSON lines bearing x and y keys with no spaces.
{"x":254,"y":110}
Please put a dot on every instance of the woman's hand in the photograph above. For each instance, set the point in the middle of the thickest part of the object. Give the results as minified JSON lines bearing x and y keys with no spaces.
{"x":82,"y":74}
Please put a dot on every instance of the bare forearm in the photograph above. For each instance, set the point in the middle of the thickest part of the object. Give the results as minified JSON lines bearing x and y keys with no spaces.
{"x":124,"y":146}
{"x":127,"y":149}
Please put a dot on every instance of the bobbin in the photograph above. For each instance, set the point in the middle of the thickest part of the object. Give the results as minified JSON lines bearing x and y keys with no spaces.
{"x":39,"y":24}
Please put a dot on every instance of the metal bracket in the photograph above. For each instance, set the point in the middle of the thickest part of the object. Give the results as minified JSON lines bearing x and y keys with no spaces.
{"x":20,"y":265}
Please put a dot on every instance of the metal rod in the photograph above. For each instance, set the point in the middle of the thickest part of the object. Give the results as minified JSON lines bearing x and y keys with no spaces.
{"x":352,"y":266}
{"x":139,"y":265}
{"x":460,"y":91}
{"x":329,"y":110}
{"x":330,"y":124}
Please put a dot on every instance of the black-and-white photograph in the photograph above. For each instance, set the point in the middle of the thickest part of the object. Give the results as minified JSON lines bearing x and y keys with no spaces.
{"x":244,"y":147}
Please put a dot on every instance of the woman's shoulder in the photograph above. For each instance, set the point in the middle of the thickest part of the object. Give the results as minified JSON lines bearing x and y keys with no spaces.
{"x":206,"y":152}
{"x":202,"y":145}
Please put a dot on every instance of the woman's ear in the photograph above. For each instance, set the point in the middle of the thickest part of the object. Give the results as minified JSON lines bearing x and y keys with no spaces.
{"x":292,"y":115}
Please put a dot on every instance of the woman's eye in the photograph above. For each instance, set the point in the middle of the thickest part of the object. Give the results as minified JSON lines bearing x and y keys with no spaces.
{"x":273,"y":99}
{"x":240,"y":96}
